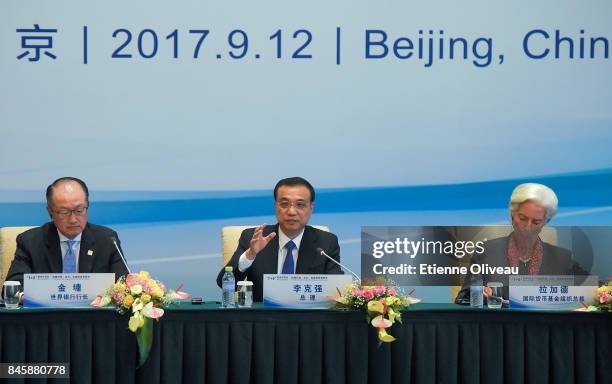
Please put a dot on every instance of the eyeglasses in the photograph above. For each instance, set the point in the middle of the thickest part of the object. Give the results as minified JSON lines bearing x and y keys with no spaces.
{"x":299,"y":205}
{"x":79,"y":211}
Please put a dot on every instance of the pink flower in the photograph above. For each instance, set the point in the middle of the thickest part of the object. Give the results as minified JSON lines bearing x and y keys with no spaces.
{"x":147,"y":288}
{"x":379,"y":290}
{"x":381,"y":322}
{"x":356,"y":292}
{"x":338,"y":299}
{"x":384,"y":303}
{"x":132,"y":279}
{"x":100,"y":301}
{"x":118,"y":296}
{"x":392,"y":291}
{"x":97,"y":302}
{"x":367,"y":294}
{"x":152,"y":312}
{"x":604,"y":298}
{"x":180,"y":294}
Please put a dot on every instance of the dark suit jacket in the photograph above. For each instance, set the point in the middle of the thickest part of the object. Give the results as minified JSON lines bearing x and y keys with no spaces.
{"x":38,"y":251}
{"x":555,"y":261}
{"x":266,"y":261}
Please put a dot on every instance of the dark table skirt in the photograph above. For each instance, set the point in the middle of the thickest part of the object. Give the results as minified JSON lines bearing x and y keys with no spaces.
{"x":436,"y":344}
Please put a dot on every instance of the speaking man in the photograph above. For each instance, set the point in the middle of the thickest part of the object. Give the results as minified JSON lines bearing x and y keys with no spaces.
{"x":287,"y":247}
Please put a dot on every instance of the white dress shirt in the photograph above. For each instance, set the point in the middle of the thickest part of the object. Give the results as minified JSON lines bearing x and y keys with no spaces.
{"x":244,"y":263}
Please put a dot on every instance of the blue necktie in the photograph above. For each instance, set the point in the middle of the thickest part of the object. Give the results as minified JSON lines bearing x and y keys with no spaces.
{"x":69,"y":265}
{"x":288,"y":265}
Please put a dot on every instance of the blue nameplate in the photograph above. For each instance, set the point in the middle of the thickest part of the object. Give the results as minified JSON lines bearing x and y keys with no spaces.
{"x":551,"y":293}
{"x":64,"y":289}
{"x":302,"y":291}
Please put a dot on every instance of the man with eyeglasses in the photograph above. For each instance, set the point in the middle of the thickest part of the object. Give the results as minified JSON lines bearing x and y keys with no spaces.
{"x":287,"y":247}
{"x":67,"y":244}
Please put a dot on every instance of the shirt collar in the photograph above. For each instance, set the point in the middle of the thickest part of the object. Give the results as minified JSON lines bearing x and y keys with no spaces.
{"x":63,"y":238}
{"x":284,"y":239}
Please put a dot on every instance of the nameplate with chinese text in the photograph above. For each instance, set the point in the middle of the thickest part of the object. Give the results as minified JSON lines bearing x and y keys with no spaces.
{"x":302,"y":291}
{"x":551,"y":293}
{"x":64,"y":289}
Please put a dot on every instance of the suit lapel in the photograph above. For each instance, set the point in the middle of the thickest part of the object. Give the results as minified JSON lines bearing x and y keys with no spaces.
{"x":307,"y":251}
{"x":270,"y":256}
{"x":53,"y":249}
{"x":86,"y":255}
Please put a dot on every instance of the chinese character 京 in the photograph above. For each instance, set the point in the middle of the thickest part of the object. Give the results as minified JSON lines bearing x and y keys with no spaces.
{"x":36,"y":39}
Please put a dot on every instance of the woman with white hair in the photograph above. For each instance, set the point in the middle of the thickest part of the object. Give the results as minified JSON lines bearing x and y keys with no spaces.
{"x":531,"y":207}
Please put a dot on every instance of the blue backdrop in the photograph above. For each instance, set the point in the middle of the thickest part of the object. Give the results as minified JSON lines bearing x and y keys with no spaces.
{"x":181,"y":117}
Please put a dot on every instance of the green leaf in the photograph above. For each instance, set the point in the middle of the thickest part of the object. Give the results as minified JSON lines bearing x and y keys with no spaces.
{"x":144,"y":337}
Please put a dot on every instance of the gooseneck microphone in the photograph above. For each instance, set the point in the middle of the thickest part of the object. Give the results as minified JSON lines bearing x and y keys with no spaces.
{"x":322,"y":253}
{"x":114,"y":240}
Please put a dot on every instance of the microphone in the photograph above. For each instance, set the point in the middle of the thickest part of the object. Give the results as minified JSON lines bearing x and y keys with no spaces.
{"x":114,"y":240}
{"x":322,"y":253}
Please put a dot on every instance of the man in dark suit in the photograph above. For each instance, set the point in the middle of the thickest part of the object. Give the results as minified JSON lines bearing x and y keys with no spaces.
{"x":287,"y":247}
{"x":68,"y":244}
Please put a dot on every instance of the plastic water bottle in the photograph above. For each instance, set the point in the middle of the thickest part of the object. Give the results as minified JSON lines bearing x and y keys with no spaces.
{"x":228,"y":285}
{"x":476,"y":291}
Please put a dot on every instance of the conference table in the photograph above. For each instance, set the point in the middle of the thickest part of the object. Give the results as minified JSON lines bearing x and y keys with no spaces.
{"x":436,"y":343}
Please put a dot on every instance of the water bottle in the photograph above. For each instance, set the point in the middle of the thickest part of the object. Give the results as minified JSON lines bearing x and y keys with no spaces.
{"x":228,"y":285}
{"x":476,"y":291}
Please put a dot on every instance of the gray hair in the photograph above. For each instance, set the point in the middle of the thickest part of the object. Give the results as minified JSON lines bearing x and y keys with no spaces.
{"x":538,"y":193}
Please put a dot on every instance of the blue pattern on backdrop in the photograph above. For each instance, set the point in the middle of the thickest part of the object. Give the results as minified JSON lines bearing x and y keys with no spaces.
{"x":585,"y":189}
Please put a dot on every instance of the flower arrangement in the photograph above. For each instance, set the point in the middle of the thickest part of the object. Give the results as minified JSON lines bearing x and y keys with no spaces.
{"x":602,"y":300}
{"x":145,"y":299}
{"x":382,"y":305}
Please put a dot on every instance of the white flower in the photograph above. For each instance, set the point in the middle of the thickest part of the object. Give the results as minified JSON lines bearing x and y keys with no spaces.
{"x":136,"y":289}
{"x":137,"y":306}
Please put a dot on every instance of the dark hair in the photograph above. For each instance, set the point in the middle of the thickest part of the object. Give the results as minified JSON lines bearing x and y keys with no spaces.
{"x":295,"y":181}
{"x":63,"y":180}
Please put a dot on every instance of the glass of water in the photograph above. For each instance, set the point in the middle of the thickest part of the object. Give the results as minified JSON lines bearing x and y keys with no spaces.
{"x":245,"y":294}
{"x":495,"y":300}
{"x":11,"y":294}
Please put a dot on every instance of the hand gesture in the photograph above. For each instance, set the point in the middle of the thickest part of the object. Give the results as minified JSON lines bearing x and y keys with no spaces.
{"x":258,"y":242}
